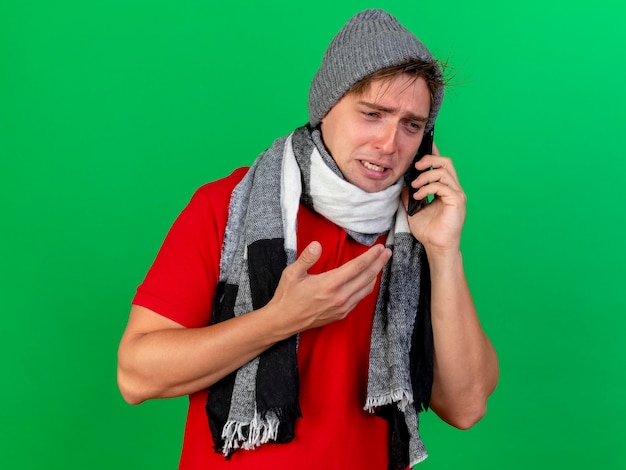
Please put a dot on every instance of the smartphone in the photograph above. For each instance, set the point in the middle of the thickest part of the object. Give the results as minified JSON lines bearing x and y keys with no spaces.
{"x":426,"y":147}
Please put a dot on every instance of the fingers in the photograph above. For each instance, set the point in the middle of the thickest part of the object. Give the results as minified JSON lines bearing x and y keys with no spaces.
{"x":441,"y":185}
{"x":314,"y":300}
{"x":435,"y":169}
{"x":354,"y":274}
{"x":368,"y":263}
{"x":437,"y":175}
{"x":358,"y":276}
{"x":309,"y":256}
{"x":443,"y":193}
{"x":436,"y":162}
{"x":438,"y":178}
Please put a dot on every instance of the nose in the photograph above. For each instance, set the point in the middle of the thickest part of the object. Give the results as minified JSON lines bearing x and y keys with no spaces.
{"x":386,"y":141}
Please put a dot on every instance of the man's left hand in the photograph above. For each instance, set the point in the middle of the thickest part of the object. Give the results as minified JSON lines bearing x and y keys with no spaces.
{"x":438,"y":225}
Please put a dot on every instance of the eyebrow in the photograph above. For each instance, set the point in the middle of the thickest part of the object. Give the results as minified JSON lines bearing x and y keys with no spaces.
{"x":385,"y":109}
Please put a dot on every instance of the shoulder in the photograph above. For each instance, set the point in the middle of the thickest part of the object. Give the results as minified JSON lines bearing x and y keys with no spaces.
{"x":220,"y":190}
{"x":205,"y":215}
{"x":212,"y":199}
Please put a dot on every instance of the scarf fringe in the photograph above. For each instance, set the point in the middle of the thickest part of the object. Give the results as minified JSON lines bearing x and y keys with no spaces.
{"x":419,"y":459}
{"x":240,"y":435}
{"x":402,"y":398}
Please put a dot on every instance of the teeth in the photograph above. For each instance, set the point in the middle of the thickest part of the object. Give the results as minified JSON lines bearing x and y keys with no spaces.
{"x":371,"y":166}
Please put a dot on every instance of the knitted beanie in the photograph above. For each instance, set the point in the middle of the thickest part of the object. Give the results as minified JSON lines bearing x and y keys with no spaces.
{"x":371,"y":40}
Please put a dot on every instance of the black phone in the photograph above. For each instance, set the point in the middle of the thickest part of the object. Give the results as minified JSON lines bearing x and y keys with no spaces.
{"x":426,"y":147}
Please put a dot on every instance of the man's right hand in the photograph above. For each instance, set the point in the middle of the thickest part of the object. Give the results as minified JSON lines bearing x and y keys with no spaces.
{"x":303,"y":301}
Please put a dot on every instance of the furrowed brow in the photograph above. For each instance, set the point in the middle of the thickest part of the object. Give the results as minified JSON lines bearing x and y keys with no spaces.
{"x":385,"y":109}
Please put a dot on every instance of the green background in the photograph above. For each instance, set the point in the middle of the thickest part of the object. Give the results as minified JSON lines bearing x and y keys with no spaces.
{"x":113,"y":112}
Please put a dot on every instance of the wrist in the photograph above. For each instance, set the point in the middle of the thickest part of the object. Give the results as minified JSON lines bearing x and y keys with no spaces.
{"x":275,"y":322}
{"x":444,"y":258}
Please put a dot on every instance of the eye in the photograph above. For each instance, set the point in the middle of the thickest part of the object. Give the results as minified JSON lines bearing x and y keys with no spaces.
{"x":414,"y":126}
{"x":370,"y":114}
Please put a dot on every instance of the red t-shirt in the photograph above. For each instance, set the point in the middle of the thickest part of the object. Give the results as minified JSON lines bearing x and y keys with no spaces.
{"x":334,"y":432}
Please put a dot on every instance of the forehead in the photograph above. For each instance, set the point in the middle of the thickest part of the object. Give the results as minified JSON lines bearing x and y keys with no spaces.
{"x":402,"y":91}
{"x":396,"y":84}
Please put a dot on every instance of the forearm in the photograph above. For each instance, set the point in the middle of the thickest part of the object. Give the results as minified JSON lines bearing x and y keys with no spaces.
{"x":465,"y":365}
{"x":159,"y":358}
{"x":176,"y":361}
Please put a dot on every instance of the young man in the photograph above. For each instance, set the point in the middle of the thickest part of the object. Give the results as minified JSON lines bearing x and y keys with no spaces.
{"x":307,"y":316}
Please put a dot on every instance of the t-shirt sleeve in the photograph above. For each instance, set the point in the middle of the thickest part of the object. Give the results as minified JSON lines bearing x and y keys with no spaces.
{"x":180,"y":284}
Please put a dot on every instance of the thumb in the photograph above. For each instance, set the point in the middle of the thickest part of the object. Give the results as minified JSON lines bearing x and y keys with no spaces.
{"x":404,"y":197}
{"x":309,"y":256}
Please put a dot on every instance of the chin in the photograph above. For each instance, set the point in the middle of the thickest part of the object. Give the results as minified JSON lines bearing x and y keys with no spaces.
{"x":375,"y":187}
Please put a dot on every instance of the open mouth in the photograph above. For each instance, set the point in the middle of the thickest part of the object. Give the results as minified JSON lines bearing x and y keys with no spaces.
{"x":371,"y":166}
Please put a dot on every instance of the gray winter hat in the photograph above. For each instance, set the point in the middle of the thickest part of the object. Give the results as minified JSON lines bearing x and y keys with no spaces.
{"x":371,"y":40}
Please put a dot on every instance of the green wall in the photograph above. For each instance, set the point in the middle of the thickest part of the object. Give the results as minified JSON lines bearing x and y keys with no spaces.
{"x":113,"y":112}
